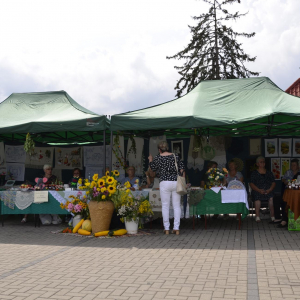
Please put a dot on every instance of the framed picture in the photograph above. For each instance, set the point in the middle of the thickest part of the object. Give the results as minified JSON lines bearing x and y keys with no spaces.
{"x":271,"y":148}
{"x":285,"y":147}
{"x":177,"y":148}
{"x":285,"y":165}
{"x":296,"y":147}
{"x":255,"y":147}
{"x":275,"y":168}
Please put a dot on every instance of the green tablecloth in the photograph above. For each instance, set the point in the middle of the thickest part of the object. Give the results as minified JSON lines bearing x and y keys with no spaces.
{"x":50,"y":207}
{"x":211,"y":203}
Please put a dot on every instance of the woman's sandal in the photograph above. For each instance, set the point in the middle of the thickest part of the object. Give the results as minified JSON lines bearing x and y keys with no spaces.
{"x":166,"y":232}
{"x":24,"y":220}
{"x":175,"y":232}
{"x":257,"y":219}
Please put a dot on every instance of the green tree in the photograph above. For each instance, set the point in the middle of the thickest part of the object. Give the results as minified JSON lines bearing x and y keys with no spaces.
{"x":213,"y":52}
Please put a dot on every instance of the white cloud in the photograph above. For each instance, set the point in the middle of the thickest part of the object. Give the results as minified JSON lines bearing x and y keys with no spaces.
{"x":110,"y":56}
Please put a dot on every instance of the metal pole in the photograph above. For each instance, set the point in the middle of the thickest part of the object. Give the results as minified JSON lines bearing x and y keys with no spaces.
{"x":104,"y":151}
{"x":111,"y":150}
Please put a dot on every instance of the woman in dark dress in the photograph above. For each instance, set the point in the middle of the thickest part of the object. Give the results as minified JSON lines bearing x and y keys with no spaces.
{"x":262,"y":183}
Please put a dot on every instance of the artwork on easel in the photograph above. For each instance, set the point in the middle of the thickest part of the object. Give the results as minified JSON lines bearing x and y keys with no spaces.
{"x":285,"y":147}
{"x":275,"y":168}
{"x":296,"y":147}
{"x":255,"y":147}
{"x":271,"y":148}
{"x":285,"y":165}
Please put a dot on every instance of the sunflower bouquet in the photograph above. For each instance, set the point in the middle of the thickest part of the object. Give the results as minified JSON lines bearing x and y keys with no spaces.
{"x":215,"y":175}
{"x":100,"y":189}
{"x":77,"y":205}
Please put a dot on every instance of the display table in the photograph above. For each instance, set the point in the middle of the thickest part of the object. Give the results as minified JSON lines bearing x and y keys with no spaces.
{"x":50,"y":207}
{"x":292,"y":198}
{"x":211,"y":203}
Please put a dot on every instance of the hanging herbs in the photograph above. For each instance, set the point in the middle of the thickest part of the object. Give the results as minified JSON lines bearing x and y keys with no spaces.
{"x":118,"y":153}
{"x":29,"y":144}
{"x":198,"y":141}
{"x":132,"y":148}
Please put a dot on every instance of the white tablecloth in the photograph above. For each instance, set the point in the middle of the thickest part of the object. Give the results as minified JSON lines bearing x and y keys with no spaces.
{"x":234,"y":196}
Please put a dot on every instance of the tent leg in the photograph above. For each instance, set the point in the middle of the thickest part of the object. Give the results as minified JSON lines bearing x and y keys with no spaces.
{"x":111,"y":150}
{"x":104,"y":151}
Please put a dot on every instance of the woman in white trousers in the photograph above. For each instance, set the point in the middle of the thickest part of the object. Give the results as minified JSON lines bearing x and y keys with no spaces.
{"x":164,"y":164}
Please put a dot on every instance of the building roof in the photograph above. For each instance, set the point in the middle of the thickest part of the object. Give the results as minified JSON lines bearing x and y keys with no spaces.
{"x":294,"y":89}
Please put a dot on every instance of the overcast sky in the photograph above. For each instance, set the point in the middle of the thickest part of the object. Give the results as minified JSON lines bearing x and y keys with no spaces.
{"x":110,"y":55}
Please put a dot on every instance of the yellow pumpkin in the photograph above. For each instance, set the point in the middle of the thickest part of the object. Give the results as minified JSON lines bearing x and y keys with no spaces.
{"x":87,"y":225}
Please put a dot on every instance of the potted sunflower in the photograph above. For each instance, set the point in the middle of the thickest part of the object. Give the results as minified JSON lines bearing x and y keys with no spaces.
{"x":99,"y":193}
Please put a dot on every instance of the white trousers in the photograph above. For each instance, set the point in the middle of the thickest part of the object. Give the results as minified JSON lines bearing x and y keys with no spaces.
{"x":168,"y":189}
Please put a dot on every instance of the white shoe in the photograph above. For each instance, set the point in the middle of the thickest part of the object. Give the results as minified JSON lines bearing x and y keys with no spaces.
{"x":257,"y":219}
{"x":24,"y":220}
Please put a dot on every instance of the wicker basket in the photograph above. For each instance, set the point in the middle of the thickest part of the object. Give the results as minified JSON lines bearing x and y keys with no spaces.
{"x":101,"y":214}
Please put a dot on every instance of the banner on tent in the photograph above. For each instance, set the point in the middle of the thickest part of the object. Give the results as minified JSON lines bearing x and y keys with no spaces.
{"x":41,"y":156}
{"x":68,"y":158}
{"x":15,"y":154}
{"x":94,"y":155}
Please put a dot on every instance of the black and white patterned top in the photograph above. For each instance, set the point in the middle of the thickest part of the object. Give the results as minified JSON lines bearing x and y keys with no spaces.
{"x":165,"y":165}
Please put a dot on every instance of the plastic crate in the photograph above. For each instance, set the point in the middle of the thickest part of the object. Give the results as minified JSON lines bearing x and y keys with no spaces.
{"x":293,"y":225}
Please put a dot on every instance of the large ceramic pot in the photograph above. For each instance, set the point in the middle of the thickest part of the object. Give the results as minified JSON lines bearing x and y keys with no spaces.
{"x":101,"y":214}
{"x":131,"y":225}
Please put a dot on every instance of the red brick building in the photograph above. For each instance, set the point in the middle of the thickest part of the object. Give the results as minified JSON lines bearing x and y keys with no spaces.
{"x":294,"y":89}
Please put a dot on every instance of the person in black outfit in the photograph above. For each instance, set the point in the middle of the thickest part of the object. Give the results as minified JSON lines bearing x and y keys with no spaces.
{"x":262,"y":183}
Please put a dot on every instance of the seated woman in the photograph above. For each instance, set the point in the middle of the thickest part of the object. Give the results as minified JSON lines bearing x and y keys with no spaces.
{"x":51,"y":179}
{"x":152,"y":180}
{"x":233,"y":173}
{"x":290,"y":174}
{"x":262,"y":183}
{"x":75,"y":178}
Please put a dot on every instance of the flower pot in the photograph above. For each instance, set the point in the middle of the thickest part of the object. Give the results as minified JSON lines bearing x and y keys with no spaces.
{"x":131,"y":225}
{"x":76,"y":220}
{"x":101,"y":214}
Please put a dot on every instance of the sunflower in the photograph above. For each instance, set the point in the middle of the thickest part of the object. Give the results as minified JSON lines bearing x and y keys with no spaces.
{"x":110,"y":180}
{"x":107,"y":173}
{"x":101,"y":182}
{"x":103,"y":197}
{"x":116,"y":173}
{"x":111,"y":189}
{"x":93,"y":183}
{"x":95,"y":177}
{"x":80,"y":180}
{"x":103,"y":189}
{"x":87,"y":184}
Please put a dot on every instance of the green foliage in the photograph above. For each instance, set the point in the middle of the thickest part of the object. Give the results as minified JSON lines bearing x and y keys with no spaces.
{"x":213,"y":52}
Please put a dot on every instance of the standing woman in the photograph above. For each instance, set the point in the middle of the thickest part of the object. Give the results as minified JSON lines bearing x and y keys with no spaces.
{"x":262,"y":185}
{"x":164,"y":163}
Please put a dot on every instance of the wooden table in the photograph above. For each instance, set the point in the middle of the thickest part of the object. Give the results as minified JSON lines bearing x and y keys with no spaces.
{"x":292,"y":198}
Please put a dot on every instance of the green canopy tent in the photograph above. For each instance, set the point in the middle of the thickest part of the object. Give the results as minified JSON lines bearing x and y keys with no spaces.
{"x":235,"y":107}
{"x":50,"y":117}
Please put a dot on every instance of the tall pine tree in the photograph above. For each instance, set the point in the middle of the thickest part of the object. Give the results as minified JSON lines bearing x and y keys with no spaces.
{"x":213,"y":52}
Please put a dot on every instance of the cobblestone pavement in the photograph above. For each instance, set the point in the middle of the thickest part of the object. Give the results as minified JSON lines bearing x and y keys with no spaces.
{"x":257,"y":262}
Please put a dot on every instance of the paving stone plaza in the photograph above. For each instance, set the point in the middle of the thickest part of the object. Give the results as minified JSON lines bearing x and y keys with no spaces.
{"x":259,"y":261}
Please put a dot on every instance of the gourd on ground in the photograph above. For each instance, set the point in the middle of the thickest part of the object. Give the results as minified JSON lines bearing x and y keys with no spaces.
{"x":87,"y":225}
{"x":111,"y":232}
{"x":84,"y":232}
{"x":75,"y":229}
